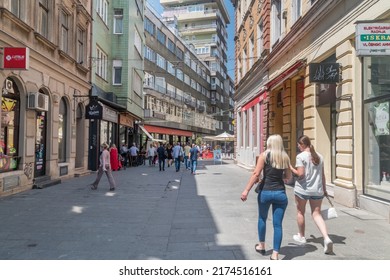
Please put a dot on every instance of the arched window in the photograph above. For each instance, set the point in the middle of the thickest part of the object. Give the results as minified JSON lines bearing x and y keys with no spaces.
{"x":9,"y":134}
{"x":62,"y":130}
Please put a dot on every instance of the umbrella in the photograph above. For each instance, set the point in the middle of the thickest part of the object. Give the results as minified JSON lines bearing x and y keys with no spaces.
{"x":224,"y":137}
{"x":221,"y":137}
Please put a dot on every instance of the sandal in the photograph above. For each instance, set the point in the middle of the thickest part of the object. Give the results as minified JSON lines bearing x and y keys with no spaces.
{"x":261,"y":251}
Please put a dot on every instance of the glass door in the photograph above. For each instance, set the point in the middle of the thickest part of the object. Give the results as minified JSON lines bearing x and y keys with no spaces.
{"x":40,"y":145}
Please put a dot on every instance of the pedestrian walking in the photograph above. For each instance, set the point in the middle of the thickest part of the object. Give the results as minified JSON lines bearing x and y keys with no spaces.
{"x":194,"y":154}
{"x":114,"y":158}
{"x":133,"y":155}
{"x":169,"y":156}
{"x":310,"y":186}
{"x":187,"y":161}
{"x":177,"y":154}
{"x":274,"y":163}
{"x":161,"y":156}
{"x":104,"y":166}
{"x":151,"y":152}
{"x":124,"y":153}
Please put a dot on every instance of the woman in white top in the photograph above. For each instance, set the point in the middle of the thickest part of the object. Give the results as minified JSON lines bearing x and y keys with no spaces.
{"x":310,"y":185}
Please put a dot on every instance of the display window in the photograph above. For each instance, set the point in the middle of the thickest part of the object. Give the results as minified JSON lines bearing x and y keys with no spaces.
{"x":376,"y":79}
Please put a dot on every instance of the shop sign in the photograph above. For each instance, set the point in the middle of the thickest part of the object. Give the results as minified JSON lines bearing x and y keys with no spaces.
{"x":110,"y":115}
{"x":15,"y":58}
{"x":94,"y":110}
{"x":126,"y":120}
{"x":372,"y":39}
{"x":324,"y":73}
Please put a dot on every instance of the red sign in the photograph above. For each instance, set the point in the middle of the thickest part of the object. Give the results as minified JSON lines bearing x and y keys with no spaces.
{"x":15,"y":58}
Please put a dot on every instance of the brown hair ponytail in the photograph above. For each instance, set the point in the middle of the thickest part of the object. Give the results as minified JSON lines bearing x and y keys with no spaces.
{"x":305,"y":141}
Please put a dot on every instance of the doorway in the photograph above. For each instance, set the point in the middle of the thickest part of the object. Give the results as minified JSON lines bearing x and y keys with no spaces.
{"x":40,"y":144}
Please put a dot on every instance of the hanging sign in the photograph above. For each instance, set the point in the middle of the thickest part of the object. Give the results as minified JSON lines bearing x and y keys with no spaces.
{"x":372,"y":39}
{"x":94,"y":110}
{"x":324,"y":73}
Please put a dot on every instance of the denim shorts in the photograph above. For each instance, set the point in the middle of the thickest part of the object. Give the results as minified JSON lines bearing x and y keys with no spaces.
{"x":309,"y":197}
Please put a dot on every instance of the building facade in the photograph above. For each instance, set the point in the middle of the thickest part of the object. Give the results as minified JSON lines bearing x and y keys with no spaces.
{"x":116,"y":75}
{"x":317,"y":69}
{"x":177,"y":86}
{"x":202,"y":25}
{"x":43,"y":128}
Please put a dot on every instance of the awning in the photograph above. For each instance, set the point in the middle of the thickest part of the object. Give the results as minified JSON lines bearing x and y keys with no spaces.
{"x":166,"y":130}
{"x":286,"y":74}
{"x":150,"y":136}
{"x":260,"y":97}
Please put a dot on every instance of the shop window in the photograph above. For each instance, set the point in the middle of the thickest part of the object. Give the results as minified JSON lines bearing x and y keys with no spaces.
{"x":62,"y":130}
{"x":377,"y":126}
{"x":9,"y":137}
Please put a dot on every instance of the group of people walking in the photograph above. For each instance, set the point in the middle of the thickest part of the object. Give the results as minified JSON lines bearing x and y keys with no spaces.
{"x":111,"y":160}
{"x":275,"y":168}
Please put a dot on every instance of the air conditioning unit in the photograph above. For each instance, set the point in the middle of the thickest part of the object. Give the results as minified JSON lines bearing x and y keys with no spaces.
{"x":38,"y":101}
{"x":9,"y":86}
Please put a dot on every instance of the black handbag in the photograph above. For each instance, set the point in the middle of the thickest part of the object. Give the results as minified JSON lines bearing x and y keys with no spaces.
{"x":260,"y":186}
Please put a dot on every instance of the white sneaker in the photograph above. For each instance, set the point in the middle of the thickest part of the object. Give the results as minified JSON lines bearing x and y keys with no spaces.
{"x":328,"y":246}
{"x":300,"y":239}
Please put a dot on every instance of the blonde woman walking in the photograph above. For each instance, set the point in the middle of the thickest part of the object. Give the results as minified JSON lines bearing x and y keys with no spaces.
{"x":274,"y":163}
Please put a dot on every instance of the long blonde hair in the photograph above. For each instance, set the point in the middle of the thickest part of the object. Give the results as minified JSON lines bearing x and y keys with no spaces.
{"x":278,"y":156}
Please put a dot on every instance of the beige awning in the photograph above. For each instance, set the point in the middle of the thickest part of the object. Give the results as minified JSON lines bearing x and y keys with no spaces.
{"x":150,"y":136}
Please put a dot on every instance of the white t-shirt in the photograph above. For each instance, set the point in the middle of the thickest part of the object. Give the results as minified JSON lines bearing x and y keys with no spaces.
{"x":151,"y":151}
{"x":311,"y":183}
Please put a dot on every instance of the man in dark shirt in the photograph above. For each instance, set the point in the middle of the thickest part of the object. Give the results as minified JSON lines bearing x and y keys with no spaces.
{"x":161,"y":156}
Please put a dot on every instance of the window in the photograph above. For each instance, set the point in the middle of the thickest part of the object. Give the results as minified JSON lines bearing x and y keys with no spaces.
{"x":170,"y":68}
{"x":171,"y":46}
{"x":150,"y":27}
{"x":43,"y":20}
{"x":149,"y":80}
{"x":150,"y":54}
{"x":260,"y":42}
{"x":9,"y":134}
{"x":102,"y":10}
{"x":276,"y":21}
{"x":80,"y":45}
{"x":117,"y":72}
{"x":179,"y":53}
{"x":62,"y":131}
{"x":18,"y":8}
{"x":138,"y":42}
{"x":296,"y":10}
{"x":251,"y":51}
{"x":376,"y":126}
{"x":64,"y":31}
{"x":179,"y":74}
{"x":137,"y":83}
{"x":118,"y":21}
{"x":161,"y":62}
{"x":101,"y":64}
{"x":161,"y":37}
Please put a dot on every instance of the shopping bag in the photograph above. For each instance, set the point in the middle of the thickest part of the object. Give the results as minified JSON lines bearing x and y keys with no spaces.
{"x":329,"y":213}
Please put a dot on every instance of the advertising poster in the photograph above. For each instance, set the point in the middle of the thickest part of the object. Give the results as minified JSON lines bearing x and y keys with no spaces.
{"x":382,"y":119}
{"x":217,"y":156}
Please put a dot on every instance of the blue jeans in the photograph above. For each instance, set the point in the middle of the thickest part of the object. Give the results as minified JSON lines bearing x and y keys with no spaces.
{"x":186,"y":162}
{"x":177,"y":163}
{"x":278,"y":200}
{"x":193,"y":165}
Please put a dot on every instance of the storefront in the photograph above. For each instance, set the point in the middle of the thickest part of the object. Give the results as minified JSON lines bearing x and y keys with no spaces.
{"x":373,"y":45}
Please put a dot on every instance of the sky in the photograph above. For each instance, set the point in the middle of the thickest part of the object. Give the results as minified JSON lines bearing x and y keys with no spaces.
{"x":230,"y":29}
